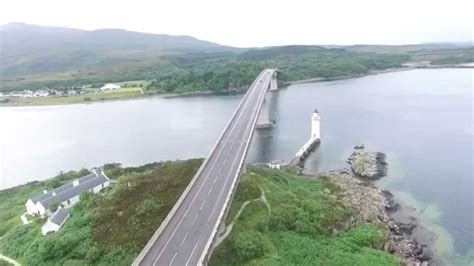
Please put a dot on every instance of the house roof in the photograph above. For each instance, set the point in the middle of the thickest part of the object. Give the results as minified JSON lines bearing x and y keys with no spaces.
{"x":110,"y":85}
{"x":61,"y":188}
{"x":59,"y":216}
{"x":69,"y":191}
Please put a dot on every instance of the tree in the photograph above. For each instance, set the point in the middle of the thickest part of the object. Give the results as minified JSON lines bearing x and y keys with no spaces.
{"x":54,"y":206}
{"x":249,"y":244}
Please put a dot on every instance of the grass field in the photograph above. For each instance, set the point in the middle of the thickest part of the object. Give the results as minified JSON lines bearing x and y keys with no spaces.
{"x":292,"y":221}
{"x":94,"y":95}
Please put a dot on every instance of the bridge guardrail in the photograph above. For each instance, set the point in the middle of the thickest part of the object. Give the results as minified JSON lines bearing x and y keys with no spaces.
{"x":207,"y":250}
{"x":178,"y":203}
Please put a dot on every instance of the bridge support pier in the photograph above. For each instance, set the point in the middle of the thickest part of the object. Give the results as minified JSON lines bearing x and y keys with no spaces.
{"x":274,"y":83}
{"x":264,"y":119}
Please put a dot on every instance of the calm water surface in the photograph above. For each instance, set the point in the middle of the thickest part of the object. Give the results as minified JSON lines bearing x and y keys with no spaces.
{"x":422,"y":119}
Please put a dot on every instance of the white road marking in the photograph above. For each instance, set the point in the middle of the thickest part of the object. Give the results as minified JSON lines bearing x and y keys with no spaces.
{"x":182,"y":241}
{"x":202,"y":205}
{"x":195,"y":218}
{"x":195,"y":246}
{"x":176,"y":253}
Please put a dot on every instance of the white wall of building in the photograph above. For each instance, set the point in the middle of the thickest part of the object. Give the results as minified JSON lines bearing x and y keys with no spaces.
{"x":49,"y":227}
{"x":70,"y":202}
{"x":40,"y":209}
{"x":31,"y":207}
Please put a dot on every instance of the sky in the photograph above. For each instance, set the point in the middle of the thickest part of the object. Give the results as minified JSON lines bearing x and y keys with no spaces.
{"x":253,"y":23}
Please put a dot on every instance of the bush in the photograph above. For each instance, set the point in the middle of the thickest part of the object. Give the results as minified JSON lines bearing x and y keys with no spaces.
{"x":54,"y":206}
{"x":249,"y":245}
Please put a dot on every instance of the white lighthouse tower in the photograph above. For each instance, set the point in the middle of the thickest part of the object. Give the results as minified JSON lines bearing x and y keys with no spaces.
{"x":315,"y":125}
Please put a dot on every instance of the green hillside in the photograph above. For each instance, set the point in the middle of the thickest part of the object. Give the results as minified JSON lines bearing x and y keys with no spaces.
{"x":35,"y":56}
{"x":281,"y":219}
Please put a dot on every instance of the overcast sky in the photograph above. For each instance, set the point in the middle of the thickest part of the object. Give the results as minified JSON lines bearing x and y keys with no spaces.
{"x":245,"y":23}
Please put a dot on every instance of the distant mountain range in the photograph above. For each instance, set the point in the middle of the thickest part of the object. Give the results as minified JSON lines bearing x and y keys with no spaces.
{"x":30,"y":49}
{"x":21,"y":39}
{"x":30,"y":54}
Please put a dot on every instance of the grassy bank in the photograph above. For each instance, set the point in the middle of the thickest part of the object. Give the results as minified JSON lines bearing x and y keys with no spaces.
{"x":293,"y":221}
{"x":109,"y":228}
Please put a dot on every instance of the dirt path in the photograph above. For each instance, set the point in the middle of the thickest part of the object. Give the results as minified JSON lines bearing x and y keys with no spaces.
{"x":228,"y":229}
{"x":9,"y":260}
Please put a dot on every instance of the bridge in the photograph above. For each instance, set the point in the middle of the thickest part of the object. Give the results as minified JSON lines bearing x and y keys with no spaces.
{"x":187,"y":235}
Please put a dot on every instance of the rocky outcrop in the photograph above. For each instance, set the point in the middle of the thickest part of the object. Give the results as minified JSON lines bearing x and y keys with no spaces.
{"x":392,"y":205}
{"x":371,"y":165}
{"x":366,"y":200}
{"x":373,"y":205}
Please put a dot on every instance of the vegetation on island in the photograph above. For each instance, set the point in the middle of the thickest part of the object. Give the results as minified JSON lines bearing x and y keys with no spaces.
{"x":237,"y":72}
{"x":70,"y":58}
{"x":289,"y":220}
{"x":109,"y":228}
{"x":463,"y":58}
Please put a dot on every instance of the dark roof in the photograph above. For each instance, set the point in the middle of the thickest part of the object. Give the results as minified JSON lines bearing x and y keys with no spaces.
{"x":61,"y":188}
{"x":59,"y":216}
{"x":69,"y":191}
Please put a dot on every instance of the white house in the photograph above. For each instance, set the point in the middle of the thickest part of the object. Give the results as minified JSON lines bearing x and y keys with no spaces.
{"x":66,"y":195}
{"x":54,"y":223}
{"x":41,"y":93}
{"x":109,"y":87}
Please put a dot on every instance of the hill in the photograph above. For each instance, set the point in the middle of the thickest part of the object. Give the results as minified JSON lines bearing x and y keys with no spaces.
{"x":34,"y":56}
{"x":36,"y":53}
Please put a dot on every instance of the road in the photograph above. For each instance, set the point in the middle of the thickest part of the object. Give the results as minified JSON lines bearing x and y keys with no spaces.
{"x":187,"y":235}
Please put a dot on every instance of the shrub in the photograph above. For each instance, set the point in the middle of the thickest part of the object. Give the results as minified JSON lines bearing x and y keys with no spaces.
{"x":249,"y":245}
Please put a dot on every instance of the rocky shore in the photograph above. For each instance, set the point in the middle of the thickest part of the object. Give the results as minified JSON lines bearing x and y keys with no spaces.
{"x":373,"y":205}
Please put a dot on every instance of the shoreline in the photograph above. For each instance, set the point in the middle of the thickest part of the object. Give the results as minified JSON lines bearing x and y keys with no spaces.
{"x":143,"y":96}
{"x":408,"y":238}
{"x":237,"y":91}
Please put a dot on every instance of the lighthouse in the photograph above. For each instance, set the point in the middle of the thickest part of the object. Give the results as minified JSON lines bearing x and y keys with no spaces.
{"x":315,"y":125}
{"x":311,"y":144}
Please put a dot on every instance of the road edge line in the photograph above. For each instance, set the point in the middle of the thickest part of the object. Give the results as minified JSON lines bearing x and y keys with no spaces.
{"x":178,"y":203}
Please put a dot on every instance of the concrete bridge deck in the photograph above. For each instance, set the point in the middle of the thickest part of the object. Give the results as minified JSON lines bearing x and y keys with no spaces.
{"x":187,"y":234}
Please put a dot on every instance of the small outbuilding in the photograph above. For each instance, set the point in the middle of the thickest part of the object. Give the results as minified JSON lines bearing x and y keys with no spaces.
{"x":109,"y":87}
{"x":54,"y":223}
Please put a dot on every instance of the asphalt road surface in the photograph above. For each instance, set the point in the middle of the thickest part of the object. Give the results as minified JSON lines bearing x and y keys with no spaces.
{"x":190,"y":231}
